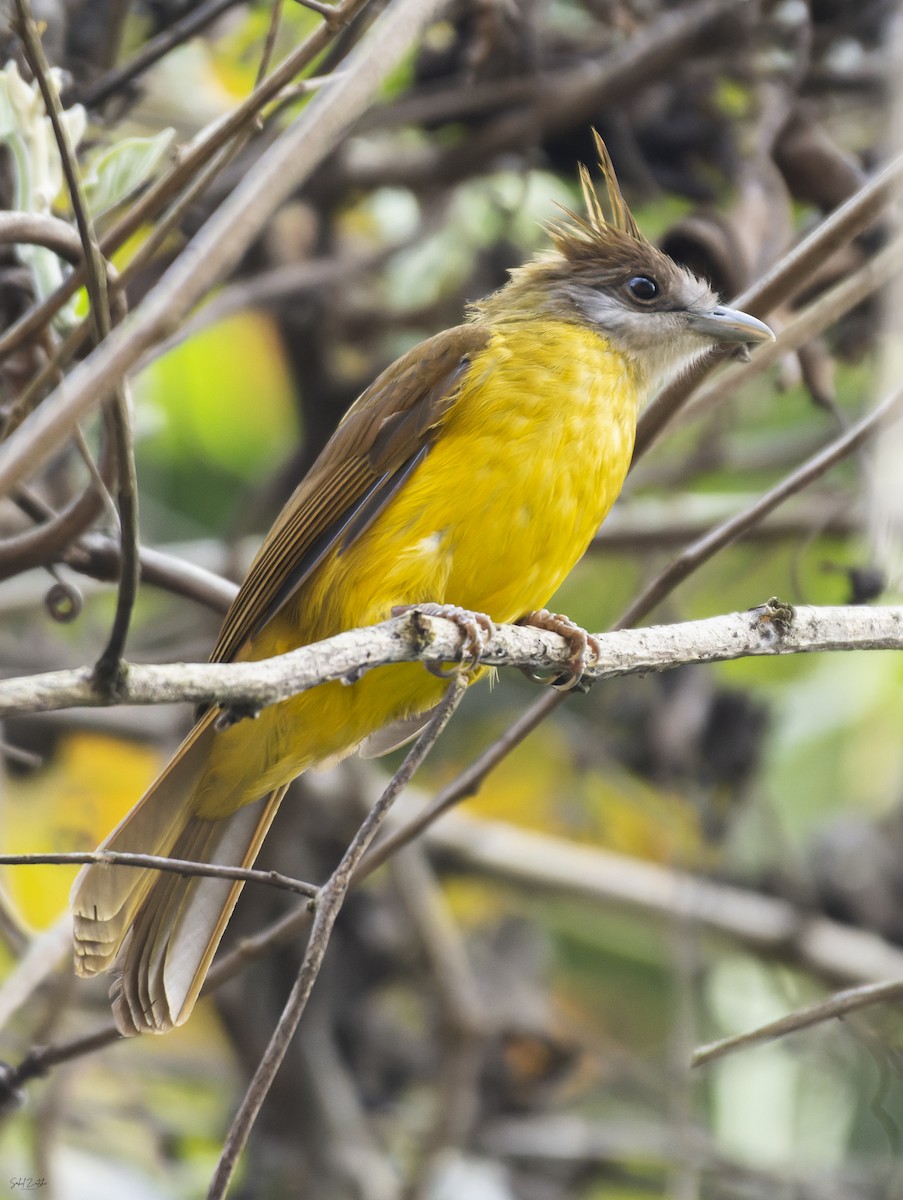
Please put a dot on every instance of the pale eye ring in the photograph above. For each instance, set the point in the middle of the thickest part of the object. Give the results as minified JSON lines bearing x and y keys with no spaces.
{"x":642,"y":288}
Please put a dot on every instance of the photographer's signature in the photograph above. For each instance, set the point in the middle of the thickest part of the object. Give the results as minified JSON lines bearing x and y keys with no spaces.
{"x":27,"y":1183}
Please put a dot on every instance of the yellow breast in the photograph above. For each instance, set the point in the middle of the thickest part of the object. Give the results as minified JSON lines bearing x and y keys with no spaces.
{"x":505,"y":503}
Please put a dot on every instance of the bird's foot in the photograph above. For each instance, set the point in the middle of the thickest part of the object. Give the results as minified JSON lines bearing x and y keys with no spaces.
{"x":584,"y":647}
{"x":231,"y":714}
{"x":475,"y":627}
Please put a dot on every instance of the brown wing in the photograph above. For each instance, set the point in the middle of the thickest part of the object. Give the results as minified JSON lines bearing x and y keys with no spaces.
{"x":381,"y":439}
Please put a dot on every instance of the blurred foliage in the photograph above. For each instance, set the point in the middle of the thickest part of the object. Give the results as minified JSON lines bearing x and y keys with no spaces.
{"x":745,"y":771}
{"x":216,"y":412}
{"x":71,"y":802}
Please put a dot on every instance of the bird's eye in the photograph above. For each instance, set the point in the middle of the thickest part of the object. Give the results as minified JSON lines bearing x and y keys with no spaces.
{"x":641,"y":287}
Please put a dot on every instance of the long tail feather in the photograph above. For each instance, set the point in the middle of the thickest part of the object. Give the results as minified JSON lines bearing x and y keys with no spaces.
{"x":160,"y":928}
{"x":174,"y":936}
{"x":104,"y":897}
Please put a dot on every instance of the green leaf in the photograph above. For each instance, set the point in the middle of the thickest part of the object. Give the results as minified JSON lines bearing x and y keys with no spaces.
{"x":116,"y":172}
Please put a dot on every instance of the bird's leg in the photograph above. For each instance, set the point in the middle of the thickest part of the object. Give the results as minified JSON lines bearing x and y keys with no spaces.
{"x":475,"y":627}
{"x":584,"y":647}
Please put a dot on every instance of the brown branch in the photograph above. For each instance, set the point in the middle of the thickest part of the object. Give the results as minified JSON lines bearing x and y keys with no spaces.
{"x":180,"y":570}
{"x":47,"y":542}
{"x":40,"y":1059}
{"x":98,"y":556}
{"x":328,"y":906}
{"x":152,"y":51}
{"x":722,"y":535}
{"x":219,"y":245}
{"x":156,"y":862}
{"x":219,"y":134}
{"x":829,"y":307}
{"x":781,"y":283}
{"x":108,"y":664}
{"x":836,"y":1006}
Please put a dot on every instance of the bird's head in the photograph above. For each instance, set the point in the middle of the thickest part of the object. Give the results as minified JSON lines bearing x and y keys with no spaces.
{"x":605,"y":275}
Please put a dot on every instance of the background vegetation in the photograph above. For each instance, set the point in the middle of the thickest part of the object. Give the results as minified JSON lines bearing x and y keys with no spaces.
{"x":495,"y":1018}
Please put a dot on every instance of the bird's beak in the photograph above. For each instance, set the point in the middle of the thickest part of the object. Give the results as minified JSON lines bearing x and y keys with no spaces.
{"x":729,"y":325}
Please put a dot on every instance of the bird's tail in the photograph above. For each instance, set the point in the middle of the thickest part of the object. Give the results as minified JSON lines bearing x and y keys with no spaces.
{"x":162,"y":929}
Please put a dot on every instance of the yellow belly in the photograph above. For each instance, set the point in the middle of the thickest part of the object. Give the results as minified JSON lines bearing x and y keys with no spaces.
{"x":528,"y":464}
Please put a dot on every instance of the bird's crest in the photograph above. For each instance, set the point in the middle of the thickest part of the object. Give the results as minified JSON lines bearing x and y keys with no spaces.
{"x":608,"y":220}
{"x":596,"y":248}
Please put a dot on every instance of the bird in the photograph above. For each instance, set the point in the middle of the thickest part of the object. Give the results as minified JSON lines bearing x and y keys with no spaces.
{"x":467,"y":480}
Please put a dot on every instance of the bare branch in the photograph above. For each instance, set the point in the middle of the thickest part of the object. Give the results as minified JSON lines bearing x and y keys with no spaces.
{"x":219,"y":245}
{"x":773,"y":628}
{"x":101,"y":320}
{"x":780,"y":284}
{"x":838,"y":1005}
{"x":152,"y":51}
{"x":156,"y":862}
{"x":706,"y":546}
{"x":763,"y":923}
{"x":329,"y":903}
{"x":827,"y":308}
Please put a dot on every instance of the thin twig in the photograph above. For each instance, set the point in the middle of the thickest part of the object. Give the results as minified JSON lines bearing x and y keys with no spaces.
{"x":107,"y":667}
{"x":217,"y":135}
{"x":722,"y":535}
{"x":156,"y":862}
{"x":152,"y":51}
{"x":467,"y":783}
{"x":325,"y":10}
{"x":827,"y":308}
{"x":839,"y":1005}
{"x":219,"y":245}
{"x":269,"y":43}
{"x":40,"y":1059}
{"x":328,"y":906}
{"x":780,"y":284}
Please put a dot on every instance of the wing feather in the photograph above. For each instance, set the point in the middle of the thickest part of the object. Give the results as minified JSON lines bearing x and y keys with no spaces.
{"x":382,"y":437}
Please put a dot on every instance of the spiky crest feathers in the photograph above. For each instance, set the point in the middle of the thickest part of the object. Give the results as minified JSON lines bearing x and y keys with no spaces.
{"x":598,"y":248}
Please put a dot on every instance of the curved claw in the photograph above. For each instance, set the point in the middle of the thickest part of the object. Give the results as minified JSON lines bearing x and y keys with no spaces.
{"x":476,"y":630}
{"x":585,"y":647}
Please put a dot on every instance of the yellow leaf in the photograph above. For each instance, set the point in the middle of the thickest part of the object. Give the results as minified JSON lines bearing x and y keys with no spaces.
{"x":69,"y":804}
